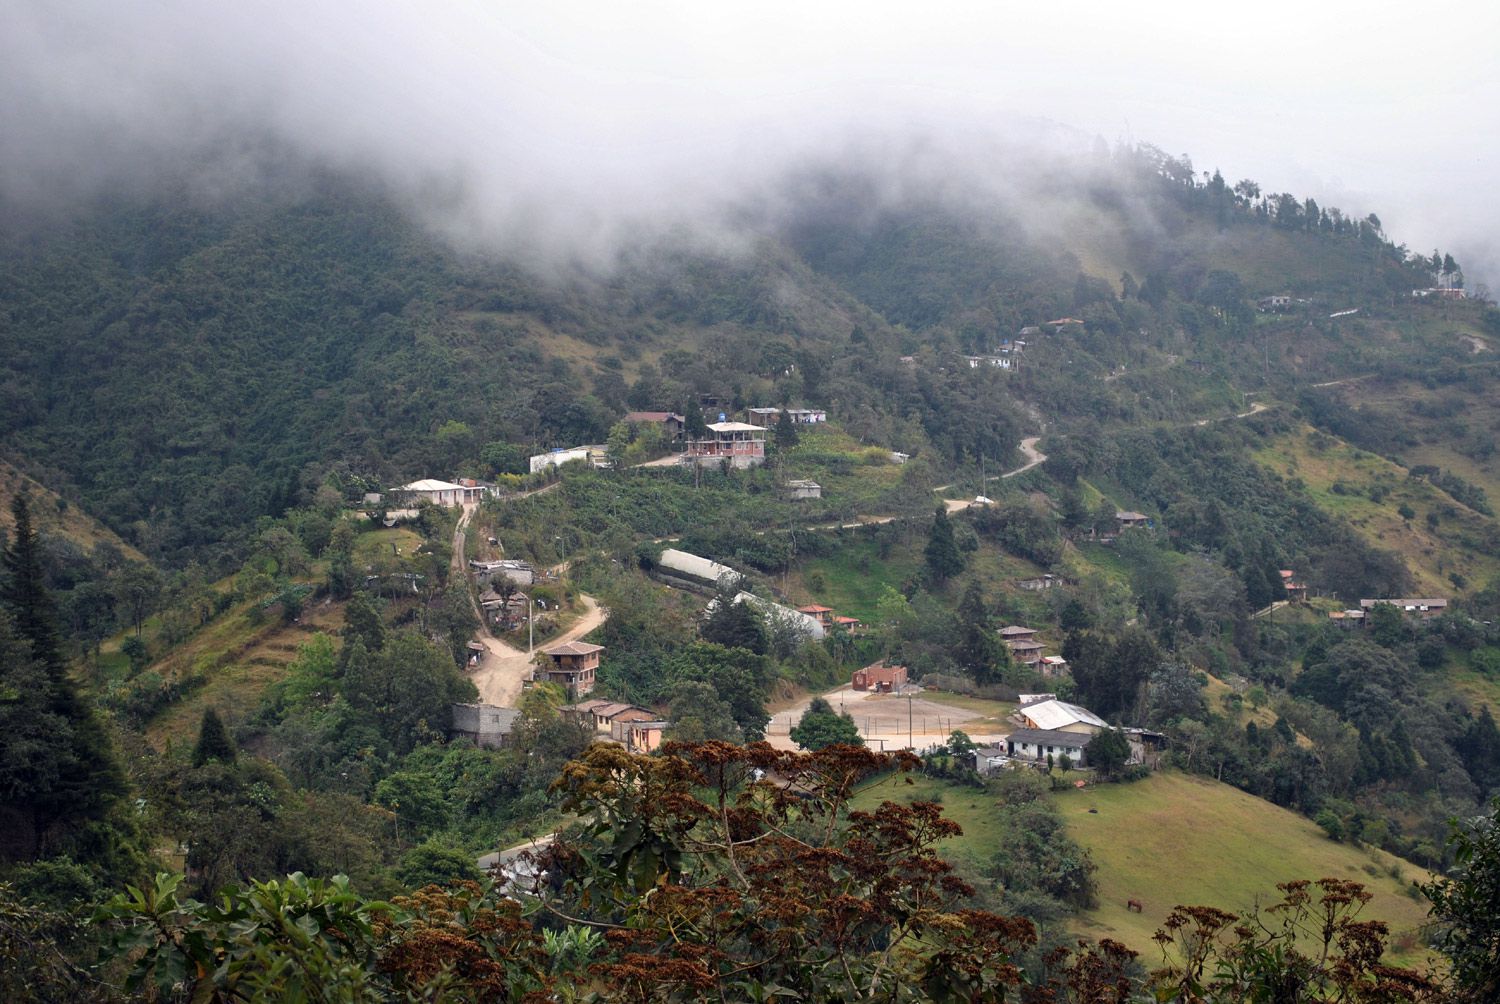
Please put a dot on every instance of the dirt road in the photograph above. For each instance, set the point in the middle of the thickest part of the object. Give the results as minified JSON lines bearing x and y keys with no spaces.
{"x":505,"y":667}
{"x":1033,"y":457}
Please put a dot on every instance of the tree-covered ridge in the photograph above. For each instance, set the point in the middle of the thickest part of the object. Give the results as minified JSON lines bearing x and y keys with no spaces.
{"x":180,"y":368}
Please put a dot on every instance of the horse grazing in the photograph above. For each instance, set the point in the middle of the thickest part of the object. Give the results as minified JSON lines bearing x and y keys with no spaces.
{"x":1134,"y":905}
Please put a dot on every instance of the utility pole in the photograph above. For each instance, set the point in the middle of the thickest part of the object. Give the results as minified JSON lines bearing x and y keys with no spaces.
{"x":530,"y":632}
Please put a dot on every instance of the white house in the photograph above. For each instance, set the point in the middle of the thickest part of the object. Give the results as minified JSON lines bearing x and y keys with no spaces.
{"x":1059,"y":716}
{"x":443,"y":493}
{"x":803,"y":490}
{"x":558,"y":457}
{"x":1039,"y":744}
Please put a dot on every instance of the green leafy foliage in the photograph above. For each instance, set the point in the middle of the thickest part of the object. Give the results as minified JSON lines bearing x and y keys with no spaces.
{"x":820,"y":727}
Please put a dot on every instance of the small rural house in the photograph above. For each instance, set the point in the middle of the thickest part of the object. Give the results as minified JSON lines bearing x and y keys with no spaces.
{"x":475,"y":490}
{"x":1054,"y":665}
{"x":488,"y":726}
{"x":1016,"y":632}
{"x":1422,"y":608}
{"x":1037,"y":745}
{"x":803,"y":489}
{"x":519,"y":572}
{"x":671,"y":424}
{"x":851,"y":624}
{"x":1027,"y":653}
{"x":1145,"y":746}
{"x":762,"y":416}
{"x":734,"y":444}
{"x":807,"y":416}
{"x":879,"y":677}
{"x":638,"y":729}
{"x":1040,"y":583}
{"x":505,"y":613}
{"x":1295,"y":591}
{"x":823,"y":615}
{"x":1126,"y":519}
{"x":998,"y":362}
{"x":558,"y":457}
{"x":443,"y":493}
{"x":990,"y":759}
{"x":574,"y":665}
{"x":1347,"y":619}
{"x":594,"y":712}
{"x":1054,"y":715}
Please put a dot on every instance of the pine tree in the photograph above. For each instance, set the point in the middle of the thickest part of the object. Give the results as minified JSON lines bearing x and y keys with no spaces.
{"x":76,"y":776}
{"x":23,"y":590}
{"x":735,"y":625}
{"x":213,"y":741}
{"x":943,"y":558}
{"x":978,"y":649}
{"x":786,"y":431}
{"x":693,"y":426}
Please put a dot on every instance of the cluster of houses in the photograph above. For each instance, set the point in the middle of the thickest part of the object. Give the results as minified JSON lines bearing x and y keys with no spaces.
{"x":638,"y":729}
{"x":1026,"y":650}
{"x":1421,"y":608}
{"x":1006,"y":357}
{"x":1050,"y":729}
{"x":726,"y":442}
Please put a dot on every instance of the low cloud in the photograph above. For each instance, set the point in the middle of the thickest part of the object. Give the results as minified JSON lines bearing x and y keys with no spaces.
{"x":559,"y":131}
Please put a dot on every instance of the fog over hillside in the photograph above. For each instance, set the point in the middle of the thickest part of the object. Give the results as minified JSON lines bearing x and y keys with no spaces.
{"x":561,"y":132}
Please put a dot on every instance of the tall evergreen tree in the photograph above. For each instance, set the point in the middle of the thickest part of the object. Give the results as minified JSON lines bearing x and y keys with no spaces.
{"x":786,"y":431}
{"x":943,"y":558}
{"x":978,"y":648}
{"x":213,"y":740}
{"x":735,"y":625}
{"x":693,"y":426}
{"x":73,"y":771}
{"x":23,"y":589}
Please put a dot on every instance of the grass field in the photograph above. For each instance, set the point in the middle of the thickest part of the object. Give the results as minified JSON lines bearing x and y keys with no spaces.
{"x":970,"y":808}
{"x":1431,"y":554}
{"x":1179,"y":839}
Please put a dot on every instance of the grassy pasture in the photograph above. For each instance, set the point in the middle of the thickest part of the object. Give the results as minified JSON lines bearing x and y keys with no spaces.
{"x":1175,"y":838}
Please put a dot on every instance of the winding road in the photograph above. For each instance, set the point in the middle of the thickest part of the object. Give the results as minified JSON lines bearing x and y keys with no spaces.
{"x":505,"y":668}
{"x":1033,"y":457}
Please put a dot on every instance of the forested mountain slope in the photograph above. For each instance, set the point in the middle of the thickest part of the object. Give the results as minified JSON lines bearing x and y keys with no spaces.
{"x":178,"y":371}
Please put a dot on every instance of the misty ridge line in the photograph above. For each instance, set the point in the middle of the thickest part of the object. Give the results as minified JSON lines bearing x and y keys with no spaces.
{"x":552,"y":144}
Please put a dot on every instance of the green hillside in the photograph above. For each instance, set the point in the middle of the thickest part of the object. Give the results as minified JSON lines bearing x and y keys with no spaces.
{"x":1178,"y":839}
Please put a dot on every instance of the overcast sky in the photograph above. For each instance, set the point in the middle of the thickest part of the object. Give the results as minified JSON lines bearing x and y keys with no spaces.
{"x":571,"y":119}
